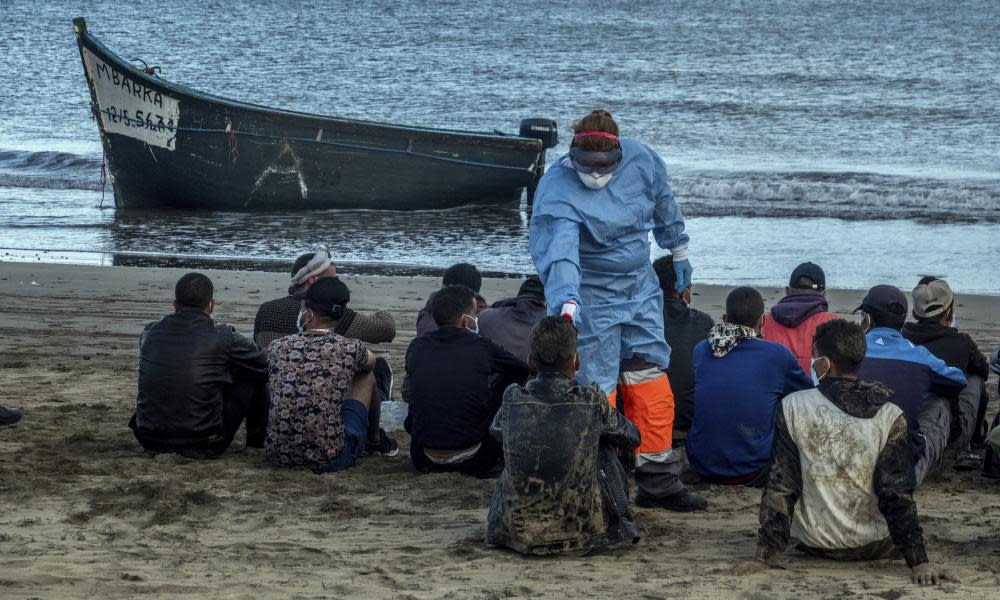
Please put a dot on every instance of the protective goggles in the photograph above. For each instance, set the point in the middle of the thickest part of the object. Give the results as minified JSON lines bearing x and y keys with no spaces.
{"x":600,"y":163}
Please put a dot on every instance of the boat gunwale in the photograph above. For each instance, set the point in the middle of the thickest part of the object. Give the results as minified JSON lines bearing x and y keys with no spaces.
{"x":87,"y":39}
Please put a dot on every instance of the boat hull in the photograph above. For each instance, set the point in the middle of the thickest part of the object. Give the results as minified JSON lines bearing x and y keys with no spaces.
{"x":169,"y":146}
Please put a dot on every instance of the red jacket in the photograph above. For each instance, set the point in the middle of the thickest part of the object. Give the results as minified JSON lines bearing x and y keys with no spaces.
{"x":784,"y":324}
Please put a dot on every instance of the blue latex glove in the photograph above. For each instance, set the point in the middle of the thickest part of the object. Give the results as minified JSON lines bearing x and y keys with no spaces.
{"x":683,"y":270}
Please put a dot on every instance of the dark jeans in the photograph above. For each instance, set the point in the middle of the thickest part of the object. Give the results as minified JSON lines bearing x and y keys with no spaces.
{"x":244,"y":398}
{"x":481,"y":464}
{"x":753,"y":480}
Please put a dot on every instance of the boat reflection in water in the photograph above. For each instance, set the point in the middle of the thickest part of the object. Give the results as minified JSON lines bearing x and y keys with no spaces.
{"x":361,"y":241}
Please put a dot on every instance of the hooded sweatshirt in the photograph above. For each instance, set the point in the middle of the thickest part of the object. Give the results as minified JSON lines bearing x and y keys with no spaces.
{"x":508,"y":322}
{"x":842,"y":476}
{"x":955,"y":348}
{"x":739,"y":381}
{"x":792,"y":323}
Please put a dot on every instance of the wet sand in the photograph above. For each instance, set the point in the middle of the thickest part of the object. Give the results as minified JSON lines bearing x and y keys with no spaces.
{"x":84,"y":513}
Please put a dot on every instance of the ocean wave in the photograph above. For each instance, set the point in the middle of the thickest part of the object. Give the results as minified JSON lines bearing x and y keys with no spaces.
{"x":849,"y":196}
{"x":49,"y":170}
{"x":47,"y":161}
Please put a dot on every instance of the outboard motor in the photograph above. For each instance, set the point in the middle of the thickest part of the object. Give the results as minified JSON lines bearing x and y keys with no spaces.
{"x":547,"y":131}
{"x":542,"y":129}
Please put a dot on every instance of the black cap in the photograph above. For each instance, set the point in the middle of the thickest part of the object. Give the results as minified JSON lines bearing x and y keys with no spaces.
{"x":325,"y":294}
{"x":884,"y":300}
{"x":810,"y":271}
{"x":533,"y":286}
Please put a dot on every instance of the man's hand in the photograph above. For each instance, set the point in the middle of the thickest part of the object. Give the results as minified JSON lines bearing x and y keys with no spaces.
{"x":925,"y":574}
{"x":750,"y":567}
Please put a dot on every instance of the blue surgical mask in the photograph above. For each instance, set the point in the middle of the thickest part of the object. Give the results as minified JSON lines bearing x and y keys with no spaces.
{"x":474,"y":320}
{"x":812,"y":370}
{"x":299,"y":325}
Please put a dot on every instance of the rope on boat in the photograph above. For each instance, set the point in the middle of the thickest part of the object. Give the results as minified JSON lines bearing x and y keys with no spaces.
{"x":104,"y":174}
{"x":229,"y":131}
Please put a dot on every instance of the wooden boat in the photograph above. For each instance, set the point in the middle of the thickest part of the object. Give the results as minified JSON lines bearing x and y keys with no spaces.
{"x":167,"y":145}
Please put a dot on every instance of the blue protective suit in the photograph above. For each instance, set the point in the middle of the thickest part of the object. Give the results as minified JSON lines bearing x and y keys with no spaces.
{"x":592,"y":247}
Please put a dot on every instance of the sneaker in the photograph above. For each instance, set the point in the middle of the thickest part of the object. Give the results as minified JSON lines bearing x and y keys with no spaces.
{"x":10,"y":415}
{"x":683,"y":501}
{"x":383,"y":378}
{"x":386,"y":446}
{"x":969,"y":461}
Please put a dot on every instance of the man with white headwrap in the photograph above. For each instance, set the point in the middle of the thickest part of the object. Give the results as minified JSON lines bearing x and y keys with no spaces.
{"x":277,"y":318}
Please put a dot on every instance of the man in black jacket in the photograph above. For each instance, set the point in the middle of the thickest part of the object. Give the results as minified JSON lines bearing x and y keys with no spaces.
{"x":197,"y":380}
{"x":449,"y":372}
{"x":683,"y":328}
{"x":934,"y":310}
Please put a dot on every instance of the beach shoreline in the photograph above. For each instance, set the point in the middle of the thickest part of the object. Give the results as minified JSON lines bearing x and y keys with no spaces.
{"x":84,"y":513}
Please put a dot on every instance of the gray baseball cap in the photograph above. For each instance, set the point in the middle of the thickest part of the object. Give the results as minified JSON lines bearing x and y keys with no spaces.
{"x":932,"y":299}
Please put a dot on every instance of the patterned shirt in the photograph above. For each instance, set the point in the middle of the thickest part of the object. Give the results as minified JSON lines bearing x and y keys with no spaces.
{"x":309,"y":375}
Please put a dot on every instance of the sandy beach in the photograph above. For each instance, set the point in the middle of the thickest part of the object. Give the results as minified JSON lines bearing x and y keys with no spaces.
{"x":84,"y":513}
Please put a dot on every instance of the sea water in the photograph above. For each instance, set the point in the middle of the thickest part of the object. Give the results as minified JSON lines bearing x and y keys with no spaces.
{"x":862,"y":135}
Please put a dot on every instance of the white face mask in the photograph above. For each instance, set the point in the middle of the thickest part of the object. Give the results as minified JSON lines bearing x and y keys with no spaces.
{"x":595,"y":181}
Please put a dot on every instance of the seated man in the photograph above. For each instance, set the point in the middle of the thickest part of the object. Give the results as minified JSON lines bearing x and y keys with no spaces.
{"x":922,"y":383}
{"x":197,"y":380}
{"x":459,"y":274}
{"x":934,"y":309}
{"x":508,"y":322}
{"x":683,"y":328}
{"x":792,"y":322}
{"x":842,"y":475}
{"x":739,"y":381}
{"x":449,"y":371}
{"x":562,"y":489}
{"x":323,"y":408}
{"x":277,"y":317}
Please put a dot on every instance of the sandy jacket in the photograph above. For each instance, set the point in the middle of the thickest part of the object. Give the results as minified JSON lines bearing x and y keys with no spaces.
{"x":842,"y":475}
{"x":555,"y":494}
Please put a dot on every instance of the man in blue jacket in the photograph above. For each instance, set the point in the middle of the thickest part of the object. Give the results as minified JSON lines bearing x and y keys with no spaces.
{"x":923,"y":383}
{"x":740,"y":380}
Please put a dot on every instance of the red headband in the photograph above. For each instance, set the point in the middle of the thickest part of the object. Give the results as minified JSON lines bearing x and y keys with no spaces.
{"x":602,"y":134}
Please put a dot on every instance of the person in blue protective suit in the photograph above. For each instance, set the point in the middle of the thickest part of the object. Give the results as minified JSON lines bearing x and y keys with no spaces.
{"x":589,"y":239}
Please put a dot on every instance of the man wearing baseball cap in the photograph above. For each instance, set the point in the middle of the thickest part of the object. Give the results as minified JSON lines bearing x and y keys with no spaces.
{"x":323,"y":388}
{"x":792,"y":322}
{"x":922,"y":382}
{"x":934,"y":329}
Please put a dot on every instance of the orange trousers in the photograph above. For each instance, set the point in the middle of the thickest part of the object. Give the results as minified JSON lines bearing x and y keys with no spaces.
{"x":648,"y":402}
